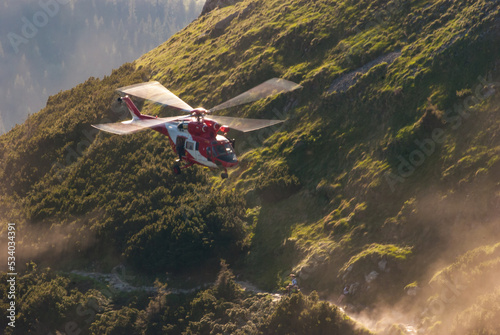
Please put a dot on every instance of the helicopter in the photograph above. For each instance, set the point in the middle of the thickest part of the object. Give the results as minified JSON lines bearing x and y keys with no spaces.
{"x":199,"y":137}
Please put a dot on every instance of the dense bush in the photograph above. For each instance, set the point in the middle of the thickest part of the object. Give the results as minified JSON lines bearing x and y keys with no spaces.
{"x":122,"y":321}
{"x":194,"y":231}
{"x":301,"y":314}
{"x":47,"y":302}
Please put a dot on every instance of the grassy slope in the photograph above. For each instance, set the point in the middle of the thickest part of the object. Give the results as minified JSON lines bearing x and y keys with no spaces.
{"x":340,"y":145}
{"x":317,"y":192}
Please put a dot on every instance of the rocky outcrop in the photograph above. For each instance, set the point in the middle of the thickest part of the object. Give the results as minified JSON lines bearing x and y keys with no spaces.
{"x":210,"y":5}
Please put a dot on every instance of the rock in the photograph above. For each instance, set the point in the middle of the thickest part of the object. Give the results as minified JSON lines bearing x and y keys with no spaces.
{"x":353,"y":288}
{"x":222,"y":25}
{"x":371,"y":276}
{"x":382,"y":265}
{"x":246,"y":11}
{"x":210,"y":5}
{"x":412,"y":291}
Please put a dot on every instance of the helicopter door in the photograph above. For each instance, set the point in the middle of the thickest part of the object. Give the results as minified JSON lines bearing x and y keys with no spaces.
{"x":209,"y":153}
{"x":193,"y":148}
{"x":179,"y":146}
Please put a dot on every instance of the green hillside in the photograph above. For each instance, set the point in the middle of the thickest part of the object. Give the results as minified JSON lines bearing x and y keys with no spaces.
{"x":385,"y":177}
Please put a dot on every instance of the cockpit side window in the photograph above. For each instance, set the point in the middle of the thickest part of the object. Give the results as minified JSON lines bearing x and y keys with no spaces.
{"x":229,"y":148}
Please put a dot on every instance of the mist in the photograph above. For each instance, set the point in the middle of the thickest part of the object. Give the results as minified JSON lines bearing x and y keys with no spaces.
{"x":51,"y":45}
{"x":456,"y":267}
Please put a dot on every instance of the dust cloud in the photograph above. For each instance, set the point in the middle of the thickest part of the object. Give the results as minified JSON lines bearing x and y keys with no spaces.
{"x":457,"y":289}
{"x":48,"y":245}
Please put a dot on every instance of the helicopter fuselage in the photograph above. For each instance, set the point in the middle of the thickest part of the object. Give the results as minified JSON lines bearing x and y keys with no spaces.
{"x":194,"y":139}
{"x":197,"y":142}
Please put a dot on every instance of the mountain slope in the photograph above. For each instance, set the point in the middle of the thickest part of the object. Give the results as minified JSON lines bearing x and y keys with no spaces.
{"x":384,"y":177}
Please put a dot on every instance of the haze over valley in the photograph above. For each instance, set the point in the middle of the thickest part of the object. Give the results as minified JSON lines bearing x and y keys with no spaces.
{"x":50,"y":45}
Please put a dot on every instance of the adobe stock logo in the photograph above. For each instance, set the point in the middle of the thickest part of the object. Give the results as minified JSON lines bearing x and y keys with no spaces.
{"x":29,"y":29}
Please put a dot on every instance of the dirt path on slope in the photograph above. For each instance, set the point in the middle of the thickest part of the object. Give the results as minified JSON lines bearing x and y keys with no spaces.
{"x":347,"y":80}
{"x":118,"y":283}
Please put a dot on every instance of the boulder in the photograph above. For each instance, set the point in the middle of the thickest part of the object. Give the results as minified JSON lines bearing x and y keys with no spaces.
{"x":371,"y":276}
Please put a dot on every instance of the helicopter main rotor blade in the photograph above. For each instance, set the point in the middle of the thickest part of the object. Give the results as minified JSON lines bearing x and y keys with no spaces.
{"x":133,"y":126}
{"x":271,"y":87}
{"x":156,"y":92}
{"x":243,"y":124}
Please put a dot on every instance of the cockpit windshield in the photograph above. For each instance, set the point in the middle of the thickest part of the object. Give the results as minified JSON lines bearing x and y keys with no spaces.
{"x":223,"y":149}
{"x":225,"y":152}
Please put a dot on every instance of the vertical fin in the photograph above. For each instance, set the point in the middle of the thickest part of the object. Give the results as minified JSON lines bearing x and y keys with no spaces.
{"x":131,"y":107}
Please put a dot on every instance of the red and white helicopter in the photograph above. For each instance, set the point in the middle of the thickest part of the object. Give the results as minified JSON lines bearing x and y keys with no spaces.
{"x":195,"y":137}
